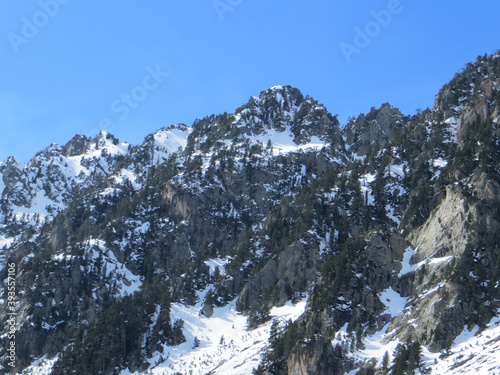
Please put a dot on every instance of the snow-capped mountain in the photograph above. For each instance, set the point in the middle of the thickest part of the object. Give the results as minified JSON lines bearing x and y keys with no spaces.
{"x":267,"y":241}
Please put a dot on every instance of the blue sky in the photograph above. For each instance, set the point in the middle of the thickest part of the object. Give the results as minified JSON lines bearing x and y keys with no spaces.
{"x":75,"y":67}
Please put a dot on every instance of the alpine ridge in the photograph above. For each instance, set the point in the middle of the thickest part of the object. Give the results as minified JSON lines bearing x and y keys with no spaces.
{"x":268,"y":241}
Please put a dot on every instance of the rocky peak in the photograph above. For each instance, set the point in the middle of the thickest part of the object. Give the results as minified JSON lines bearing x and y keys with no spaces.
{"x":14,"y":162}
{"x":76,"y":146}
{"x":376,"y":127}
{"x":472,"y":96}
{"x":159,"y":146}
{"x":284,"y":98}
{"x":11,"y":171}
{"x":107,"y":141}
{"x":480,"y":79}
{"x":285,"y":107}
{"x":280,"y":115}
{"x":231,"y":223}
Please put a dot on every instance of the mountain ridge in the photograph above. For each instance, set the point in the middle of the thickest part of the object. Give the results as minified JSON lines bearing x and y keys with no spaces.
{"x":246,"y":212}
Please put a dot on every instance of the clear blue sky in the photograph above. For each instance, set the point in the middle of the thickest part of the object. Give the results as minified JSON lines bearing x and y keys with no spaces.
{"x":67,"y":65}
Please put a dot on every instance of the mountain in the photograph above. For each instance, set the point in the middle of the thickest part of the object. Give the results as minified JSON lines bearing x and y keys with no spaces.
{"x":268,"y":241}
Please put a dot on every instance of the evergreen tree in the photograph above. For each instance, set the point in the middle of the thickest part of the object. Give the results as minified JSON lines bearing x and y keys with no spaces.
{"x":196,"y":342}
{"x":385,"y":362}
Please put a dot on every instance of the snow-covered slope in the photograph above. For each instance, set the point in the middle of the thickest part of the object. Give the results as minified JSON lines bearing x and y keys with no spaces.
{"x":219,"y":345}
{"x":36,"y":192}
{"x":473,"y":352}
{"x":169,"y":141}
{"x":219,"y":225}
{"x":225,"y":346}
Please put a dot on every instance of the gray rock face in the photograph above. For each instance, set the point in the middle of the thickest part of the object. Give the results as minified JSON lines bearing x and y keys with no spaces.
{"x":471,"y":97}
{"x":313,"y":358}
{"x":444,"y":233}
{"x":294,"y":266}
{"x":377,"y":127}
{"x":77,"y":146}
{"x":307,"y":215}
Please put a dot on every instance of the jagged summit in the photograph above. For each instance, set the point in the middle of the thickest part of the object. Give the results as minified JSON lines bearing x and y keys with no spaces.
{"x":471,"y":97}
{"x":280,"y":117}
{"x":166,"y":141}
{"x":377,"y":127}
{"x":76,"y":146}
{"x":267,"y":240}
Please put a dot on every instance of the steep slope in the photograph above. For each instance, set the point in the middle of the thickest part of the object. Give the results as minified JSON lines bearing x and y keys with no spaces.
{"x":163,"y":225}
{"x":330,"y":246}
{"x":35,"y":193}
{"x":374,"y":129}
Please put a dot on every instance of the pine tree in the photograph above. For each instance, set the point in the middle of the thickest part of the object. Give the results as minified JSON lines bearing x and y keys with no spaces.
{"x":385,"y":362}
{"x":196,"y":342}
{"x":414,"y":353}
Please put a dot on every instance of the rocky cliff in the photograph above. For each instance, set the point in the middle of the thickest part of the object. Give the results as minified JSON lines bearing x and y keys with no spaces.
{"x":313,"y":249}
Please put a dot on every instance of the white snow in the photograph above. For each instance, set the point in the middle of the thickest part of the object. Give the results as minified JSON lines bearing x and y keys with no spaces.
{"x":218,"y":262}
{"x":282,"y":142}
{"x":104,"y":145}
{"x":471,"y":353}
{"x":126,"y":282}
{"x":168,"y":141}
{"x":433,"y":261}
{"x":127,"y":175}
{"x":5,"y":241}
{"x":451,"y":121}
{"x":277,"y":87}
{"x":375,"y":348}
{"x":466,"y":335}
{"x":109,"y":192}
{"x":368,"y":178}
{"x":397,"y":171}
{"x":391,"y":214}
{"x":365,"y":181}
{"x":439,"y":163}
{"x":42,"y":366}
{"x":142,"y":229}
{"x":407,"y":267}
{"x":39,"y":205}
{"x":373,"y":345}
{"x":2,"y":184}
{"x":431,"y":291}
{"x":393,"y":301}
{"x":226,"y":346}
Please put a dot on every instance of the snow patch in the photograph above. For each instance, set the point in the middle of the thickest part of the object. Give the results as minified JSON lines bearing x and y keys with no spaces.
{"x":471,"y":353}
{"x":226,"y":347}
{"x":218,"y":262}
{"x":395,"y":304}
{"x":42,"y":366}
{"x":407,"y":267}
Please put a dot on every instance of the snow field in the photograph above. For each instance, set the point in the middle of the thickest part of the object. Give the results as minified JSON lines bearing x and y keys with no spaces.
{"x":225,"y":345}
